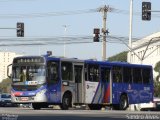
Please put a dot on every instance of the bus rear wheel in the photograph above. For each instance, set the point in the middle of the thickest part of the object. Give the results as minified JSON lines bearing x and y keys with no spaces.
{"x":123,"y":103}
{"x":66,"y":102}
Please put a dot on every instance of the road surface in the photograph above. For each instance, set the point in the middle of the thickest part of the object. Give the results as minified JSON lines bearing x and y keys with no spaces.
{"x":15,"y":113}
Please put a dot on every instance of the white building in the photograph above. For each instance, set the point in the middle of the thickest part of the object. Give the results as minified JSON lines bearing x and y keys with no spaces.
{"x":146,"y":51}
{"x":6,"y":58}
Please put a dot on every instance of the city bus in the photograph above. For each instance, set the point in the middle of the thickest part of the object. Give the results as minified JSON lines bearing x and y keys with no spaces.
{"x":49,"y":80}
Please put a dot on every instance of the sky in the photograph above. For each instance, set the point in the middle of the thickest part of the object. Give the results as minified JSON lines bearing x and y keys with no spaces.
{"x":77,"y":25}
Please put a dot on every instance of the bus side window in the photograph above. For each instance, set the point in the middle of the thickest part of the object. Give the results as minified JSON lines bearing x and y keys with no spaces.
{"x":67,"y":71}
{"x":117,"y":74}
{"x":93,"y":73}
{"x":86,"y":73}
{"x":127,"y":75}
{"x":146,"y":73}
{"x":105,"y":74}
{"x":137,"y":75}
{"x":52,"y":72}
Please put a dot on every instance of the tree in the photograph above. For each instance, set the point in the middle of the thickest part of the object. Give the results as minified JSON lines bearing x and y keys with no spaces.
{"x":156,"y":89}
{"x":119,"y":57}
{"x":157,"y":69}
{"x":5,"y":86}
{"x":156,"y":82}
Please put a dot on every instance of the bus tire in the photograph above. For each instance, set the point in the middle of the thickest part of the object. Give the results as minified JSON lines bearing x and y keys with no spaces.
{"x":66,"y":102}
{"x":36,"y":106}
{"x":123,"y":103}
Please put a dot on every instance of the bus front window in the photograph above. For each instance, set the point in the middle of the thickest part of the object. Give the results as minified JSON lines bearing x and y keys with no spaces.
{"x":35,"y":73}
{"x":16,"y":74}
{"x":28,"y":73}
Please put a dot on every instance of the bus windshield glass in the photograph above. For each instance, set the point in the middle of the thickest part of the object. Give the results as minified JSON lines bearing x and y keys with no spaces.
{"x":24,"y":74}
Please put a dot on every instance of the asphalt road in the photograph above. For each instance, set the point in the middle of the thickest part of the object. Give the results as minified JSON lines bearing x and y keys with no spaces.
{"x":8,"y":113}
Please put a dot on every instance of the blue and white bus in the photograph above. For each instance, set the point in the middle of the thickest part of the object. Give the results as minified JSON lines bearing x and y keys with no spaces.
{"x":48,"y":80}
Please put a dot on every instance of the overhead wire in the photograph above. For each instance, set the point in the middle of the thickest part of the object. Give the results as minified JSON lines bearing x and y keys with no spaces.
{"x":55,"y":40}
{"x":137,"y":13}
{"x":85,"y":11}
{"x":66,"y":39}
{"x":48,"y":14}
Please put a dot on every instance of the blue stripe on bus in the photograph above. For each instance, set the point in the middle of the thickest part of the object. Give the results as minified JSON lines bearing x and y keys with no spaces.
{"x":95,"y":94}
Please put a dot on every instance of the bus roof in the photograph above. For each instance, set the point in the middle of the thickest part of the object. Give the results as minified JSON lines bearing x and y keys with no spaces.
{"x":109,"y":63}
{"x":56,"y":58}
{"x":63,"y":59}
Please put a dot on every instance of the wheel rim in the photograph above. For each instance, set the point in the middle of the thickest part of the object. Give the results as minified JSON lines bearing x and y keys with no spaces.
{"x":66,"y":101}
{"x":123,"y":103}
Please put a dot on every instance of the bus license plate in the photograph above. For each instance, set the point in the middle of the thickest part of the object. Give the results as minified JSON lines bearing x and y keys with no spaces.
{"x":24,"y":98}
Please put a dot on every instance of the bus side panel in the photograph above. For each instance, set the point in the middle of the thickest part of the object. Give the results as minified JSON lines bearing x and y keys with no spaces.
{"x":135,"y":93}
{"x":141,"y":93}
{"x":68,"y":86}
{"x":107,"y":96}
{"x":97,"y":92}
{"x":54,"y":93}
{"x":91,"y":90}
{"x":116,"y":92}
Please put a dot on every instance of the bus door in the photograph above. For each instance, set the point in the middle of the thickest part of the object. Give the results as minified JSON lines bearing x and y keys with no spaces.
{"x":78,"y":76}
{"x":106,"y":84}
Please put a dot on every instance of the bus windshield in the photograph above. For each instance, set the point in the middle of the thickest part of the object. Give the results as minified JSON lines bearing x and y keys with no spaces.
{"x":29,"y":73}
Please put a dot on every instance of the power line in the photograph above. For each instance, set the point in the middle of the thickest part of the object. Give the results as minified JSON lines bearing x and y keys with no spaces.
{"x":48,"y":14}
{"x":56,"y":40}
{"x":75,"y":12}
{"x":126,"y":12}
{"x":16,"y":0}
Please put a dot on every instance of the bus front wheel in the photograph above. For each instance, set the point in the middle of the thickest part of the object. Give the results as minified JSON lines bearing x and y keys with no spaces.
{"x":66,"y":102}
{"x":123,"y":103}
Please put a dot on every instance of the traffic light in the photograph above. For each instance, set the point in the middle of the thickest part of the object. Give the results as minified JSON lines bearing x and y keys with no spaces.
{"x":49,"y":53}
{"x":146,"y":11}
{"x":20,"y":29}
{"x":96,"y":33}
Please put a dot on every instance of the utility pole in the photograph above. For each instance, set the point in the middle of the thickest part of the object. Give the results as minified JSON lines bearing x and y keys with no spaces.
{"x":130,"y":31}
{"x":104,"y":11}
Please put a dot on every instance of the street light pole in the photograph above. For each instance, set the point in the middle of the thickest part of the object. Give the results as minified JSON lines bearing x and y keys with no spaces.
{"x":130,"y":31}
{"x":64,"y":43}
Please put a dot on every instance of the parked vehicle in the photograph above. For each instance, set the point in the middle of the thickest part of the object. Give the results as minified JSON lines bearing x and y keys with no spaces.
{"x":157,"y":104}
{"x":153,"y":105}
{"x":6,"y":100}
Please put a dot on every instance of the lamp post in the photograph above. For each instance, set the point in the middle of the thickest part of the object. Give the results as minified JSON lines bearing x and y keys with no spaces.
{"x":130,"y":30}
{"x":64,"y":43}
